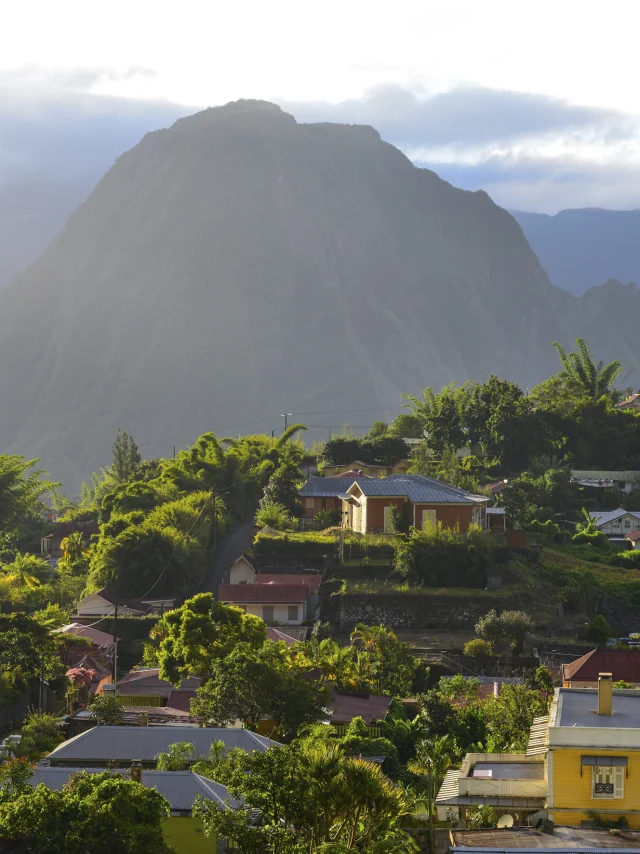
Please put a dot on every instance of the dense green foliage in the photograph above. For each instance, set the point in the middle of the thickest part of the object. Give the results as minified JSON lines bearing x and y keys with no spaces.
{"x":21,"y":501}
{"x":441,"y":557}
{"x":40,"y":734}
{"x":93,"y":812}
{"x":251,"y":685}
{"x":381,"y":450}
{"x":309,"y":794}
{"x":160,"y":521}
{"x":201,"y":632}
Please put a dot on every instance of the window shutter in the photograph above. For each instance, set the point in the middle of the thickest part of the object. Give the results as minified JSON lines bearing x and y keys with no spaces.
{"x":619,"y":783}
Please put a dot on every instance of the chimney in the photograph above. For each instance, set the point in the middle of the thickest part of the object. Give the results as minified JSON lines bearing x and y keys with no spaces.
{"x":136,"y":771}
{"x":143,"y":720}
{"x":605,"y":694}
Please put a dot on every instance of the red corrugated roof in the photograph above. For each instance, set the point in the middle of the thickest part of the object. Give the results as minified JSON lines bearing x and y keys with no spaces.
{"x":311,"y":581}
{"x":275,"y":636}
{"x":345,"y":707}
{"x":634,"y":536}
{"x":623,"y":664}
{"x":241,"y":593}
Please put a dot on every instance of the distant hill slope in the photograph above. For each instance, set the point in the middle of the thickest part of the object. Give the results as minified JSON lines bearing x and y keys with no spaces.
{"x":53,"y":153}
{"x":239,"y":265}
{"x":585,"y":247}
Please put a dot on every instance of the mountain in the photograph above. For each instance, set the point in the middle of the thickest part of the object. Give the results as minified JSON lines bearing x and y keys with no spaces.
{"x":239,"y":265}
{"x":53,"y":153}
{"x":585,"y":247}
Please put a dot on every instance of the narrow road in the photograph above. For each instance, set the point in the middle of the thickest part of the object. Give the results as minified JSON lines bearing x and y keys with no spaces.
{"x":228,"y":552}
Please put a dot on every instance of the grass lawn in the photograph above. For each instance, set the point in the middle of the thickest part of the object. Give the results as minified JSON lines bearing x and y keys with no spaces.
{"x":378,"y":586}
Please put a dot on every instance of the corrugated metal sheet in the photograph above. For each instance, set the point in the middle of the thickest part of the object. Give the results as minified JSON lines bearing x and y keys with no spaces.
{"x":419,"y":490}
{"x":602,"y":518}
{"x":538,"y":736}
{"x":180,"y":788}
{"x":325,"y":487}
{"x":124,"y":744}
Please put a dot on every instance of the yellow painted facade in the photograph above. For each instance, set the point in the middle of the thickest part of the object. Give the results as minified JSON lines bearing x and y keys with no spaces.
{"x":570,"y":793}
{"x":187,"y":836}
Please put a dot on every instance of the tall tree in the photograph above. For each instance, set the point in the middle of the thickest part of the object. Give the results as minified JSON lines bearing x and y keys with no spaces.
{"x":126,"y":457}
{"x":93,"y":812}
{"x":21,"y":494}
{"x":200,"y":633}
{"x":596,"y":379}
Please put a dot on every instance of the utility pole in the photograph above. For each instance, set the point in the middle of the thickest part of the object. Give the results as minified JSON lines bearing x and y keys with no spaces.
{"x":115,"y":649}
{"x":40,"y":693}
{"x":215,"y":524}
{"x":285,"y":415}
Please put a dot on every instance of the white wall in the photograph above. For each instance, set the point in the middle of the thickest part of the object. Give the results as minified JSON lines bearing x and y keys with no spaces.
{"x":280,"y":613}
{"x":242,"y":571}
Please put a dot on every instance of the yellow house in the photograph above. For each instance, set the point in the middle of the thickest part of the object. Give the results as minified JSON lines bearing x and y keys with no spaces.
{"x":584,"y":756}
{"x":593,"y":754}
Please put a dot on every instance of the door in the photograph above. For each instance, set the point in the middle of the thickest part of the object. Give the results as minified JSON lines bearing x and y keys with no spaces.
{"x":428,"y":519}
{"x":389,"y":527}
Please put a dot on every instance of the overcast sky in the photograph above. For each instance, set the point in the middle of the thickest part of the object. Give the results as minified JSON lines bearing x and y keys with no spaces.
{"x":538,"y":103}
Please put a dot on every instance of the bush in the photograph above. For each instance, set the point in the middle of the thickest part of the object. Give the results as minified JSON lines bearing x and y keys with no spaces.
{"x":511,"y":626}
{"x":478,"y":648}
{"x":107,"y":710}
{"x":596,"y":540}
{"x":40,"y":734}
{"x":441,"y":557}
{"x":598,"y":630}
{"x":273,"y":515}
{"x":309,"y":544}
{"x":628,"y":560}
{"x":482,"y":817}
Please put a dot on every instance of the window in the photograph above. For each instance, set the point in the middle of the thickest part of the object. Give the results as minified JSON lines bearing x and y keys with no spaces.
{"x":607,"y":781}
{"x":627,"y":522}
{"x":310,"y":503}
{"x":428,"y":519}
{"x":293,"y":612}
{"x":267,"y":613}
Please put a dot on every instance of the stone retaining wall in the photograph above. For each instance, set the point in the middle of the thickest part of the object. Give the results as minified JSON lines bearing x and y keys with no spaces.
{"x":409,"y":611}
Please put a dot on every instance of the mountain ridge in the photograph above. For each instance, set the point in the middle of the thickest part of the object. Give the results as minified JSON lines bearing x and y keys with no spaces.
{"x":582,"y":247}
{"x":239,"y":263}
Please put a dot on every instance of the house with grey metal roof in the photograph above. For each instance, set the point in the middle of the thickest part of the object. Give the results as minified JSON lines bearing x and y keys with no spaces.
{"x":616,"y":524}
{"x":118,"y":746}
{"x":371,"y":505}
{"x":180,"y":788}
{"x":323,"y":494}
{"x":626,"y":481}
{"x":182,"y":829}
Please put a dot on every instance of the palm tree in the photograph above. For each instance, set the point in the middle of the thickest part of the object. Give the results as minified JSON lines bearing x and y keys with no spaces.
{"x":542,"y":463}
{"x":433,"y":759}
{"x":595,"y":379}
{"x":26,"y":572}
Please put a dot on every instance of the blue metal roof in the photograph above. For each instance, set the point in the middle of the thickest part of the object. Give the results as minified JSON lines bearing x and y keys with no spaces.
{"x":325,"y":487}
{"x":418,"y":489}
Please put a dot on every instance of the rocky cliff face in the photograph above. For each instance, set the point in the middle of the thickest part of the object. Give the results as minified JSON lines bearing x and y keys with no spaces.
{"x":239,"y":265}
